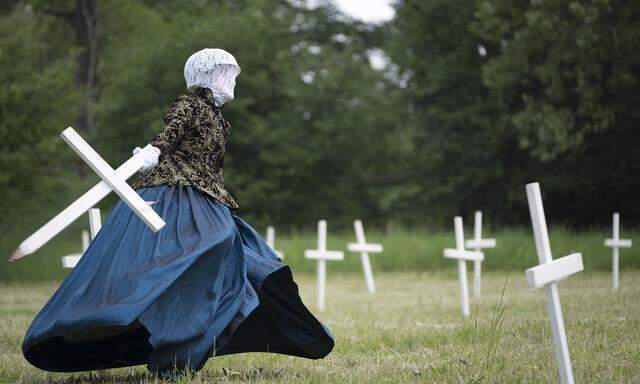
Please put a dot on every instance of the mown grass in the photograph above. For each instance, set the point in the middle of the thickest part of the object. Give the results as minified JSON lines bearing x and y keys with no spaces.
{"x":411,"y":331}
{"x":404,"y":250}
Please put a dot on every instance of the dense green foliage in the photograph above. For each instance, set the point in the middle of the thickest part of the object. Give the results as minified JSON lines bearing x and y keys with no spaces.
{"x":502,"y":93}
{"x":476,"y":99}
{"x":37,"y":90}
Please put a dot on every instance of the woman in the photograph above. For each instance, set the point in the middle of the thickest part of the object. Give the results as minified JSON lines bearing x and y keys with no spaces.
{"x":205,"y":285}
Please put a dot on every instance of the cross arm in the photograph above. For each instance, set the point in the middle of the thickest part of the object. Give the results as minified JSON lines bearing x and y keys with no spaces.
{"x":71,"y":261}
{"x":323,"y":255}
{"x":481,"y":243}
{"x":617,"y":243}
{"x":555,"y":270}
{"x":367,"y":248}
{"x":454,"y":253}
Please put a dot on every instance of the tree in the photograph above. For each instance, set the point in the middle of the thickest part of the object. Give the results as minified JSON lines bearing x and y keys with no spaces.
{"x":565,"y":73}
{"x":311,"y":120}
{"x":450,"y":116}
{"x":37,"y":97}
{"x":81,"y":16}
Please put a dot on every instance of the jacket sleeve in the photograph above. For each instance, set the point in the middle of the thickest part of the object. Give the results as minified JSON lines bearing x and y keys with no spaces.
{"x":176,"y":122}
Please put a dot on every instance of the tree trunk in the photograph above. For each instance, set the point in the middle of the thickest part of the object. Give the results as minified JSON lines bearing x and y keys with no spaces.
{"x":84,"y":21}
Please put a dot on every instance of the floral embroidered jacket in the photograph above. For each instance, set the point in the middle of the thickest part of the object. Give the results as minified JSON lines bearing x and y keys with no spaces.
{"x":192,"y":147}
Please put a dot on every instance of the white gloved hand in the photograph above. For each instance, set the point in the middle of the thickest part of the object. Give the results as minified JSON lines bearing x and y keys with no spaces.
{"x":150,"y":158}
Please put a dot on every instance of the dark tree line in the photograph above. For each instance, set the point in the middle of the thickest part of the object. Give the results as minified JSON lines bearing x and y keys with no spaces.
{"x":476,"y":99}
{"x":503,"y":93}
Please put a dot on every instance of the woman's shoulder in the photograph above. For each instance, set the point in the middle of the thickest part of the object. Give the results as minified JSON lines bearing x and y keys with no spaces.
{"x":185,"y":104}
{"x":186,"y":99}
{"x":193,"y":100}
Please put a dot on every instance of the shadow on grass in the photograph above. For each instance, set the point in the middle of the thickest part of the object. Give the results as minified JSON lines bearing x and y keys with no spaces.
{"x":97,"y":377}
{"x":204,"y":376}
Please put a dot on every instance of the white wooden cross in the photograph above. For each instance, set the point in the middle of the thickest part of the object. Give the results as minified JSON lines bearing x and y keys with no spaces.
{"x":462,"y":255}
{"x":322,"y":255}
{"x":95,"y":223}
{"x":112,"y":180}
{"x":615,"y":244}
{"x":478,"y":244}
{"x":547,"y":275}
{"x":71,"y":260}
{"x":271,"y":241}
{"x":365,"y":249}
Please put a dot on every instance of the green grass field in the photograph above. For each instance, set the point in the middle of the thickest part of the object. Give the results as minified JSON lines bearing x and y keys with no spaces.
{"x":411,"y":331}
{"x":405,"y":251}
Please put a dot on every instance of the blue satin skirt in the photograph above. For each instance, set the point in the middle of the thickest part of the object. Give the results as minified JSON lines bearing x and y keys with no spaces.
{"x":205,"y":285}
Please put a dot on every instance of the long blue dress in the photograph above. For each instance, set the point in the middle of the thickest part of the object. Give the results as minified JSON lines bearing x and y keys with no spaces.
{"x":205,"y":285}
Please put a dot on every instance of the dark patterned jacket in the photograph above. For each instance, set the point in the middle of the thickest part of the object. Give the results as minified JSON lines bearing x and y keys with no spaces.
{"x":192,"y":147}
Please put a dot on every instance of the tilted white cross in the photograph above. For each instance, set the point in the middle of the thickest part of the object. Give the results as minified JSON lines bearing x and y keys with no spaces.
{"x":271,"y":241}
{"x":547,"y":275}
{"x":112,"y":180}
{"x":95,"y":223}
{"x":615,"y":244}
{"x":462,"y":255}
{"x":478,"y":244}
{"x":365,"y":249}
{"x":322,"y":255}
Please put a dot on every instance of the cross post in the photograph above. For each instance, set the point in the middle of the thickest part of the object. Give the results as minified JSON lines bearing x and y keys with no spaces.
{"x":271,"y":241}
{"x":95,"y":224}
{"x":478,"y":244}
{"x":462,"y":255}
{"x":364,"y":249}
{"x":615,"y":244}
{"x":546,"y":275}
{"x":321,"y":254}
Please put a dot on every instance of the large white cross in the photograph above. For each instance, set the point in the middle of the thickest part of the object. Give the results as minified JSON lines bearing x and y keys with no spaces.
{"x":112,"y":180}
{"x":365,"y":249}
{"x":615,"y":244}
{"x":95,"y":223}
{"x":547,"y":275}
{"x":462,"y":255}
{"x":478,"y":244}
{"x":271,"y":241}
{"x":322,"y":255}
